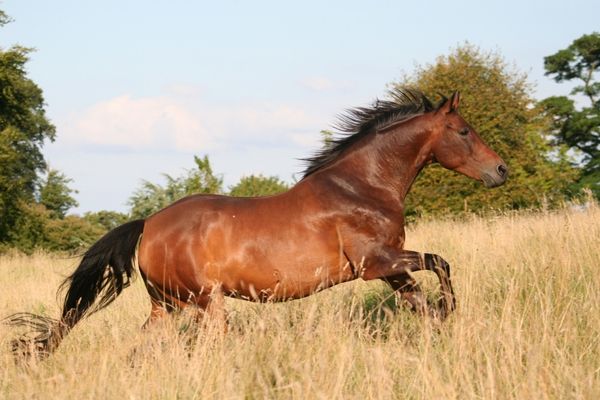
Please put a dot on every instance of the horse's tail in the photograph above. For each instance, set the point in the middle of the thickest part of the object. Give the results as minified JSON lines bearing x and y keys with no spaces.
{"x":105,"y":270}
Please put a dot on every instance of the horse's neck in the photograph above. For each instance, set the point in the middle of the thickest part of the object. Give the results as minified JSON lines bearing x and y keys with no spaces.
{"x":392,"y":160}
{"x":382,"y":166}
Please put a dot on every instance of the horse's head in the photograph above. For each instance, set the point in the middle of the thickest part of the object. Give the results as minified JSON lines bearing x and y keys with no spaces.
{"x":456,"y":146}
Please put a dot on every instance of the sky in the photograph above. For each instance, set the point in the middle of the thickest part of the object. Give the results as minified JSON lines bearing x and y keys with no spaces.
{"x":137,"y":88}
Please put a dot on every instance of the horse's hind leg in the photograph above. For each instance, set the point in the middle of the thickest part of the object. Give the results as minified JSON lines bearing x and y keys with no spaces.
{"x":162,"y":304}
{"x":158,"y":312}
{"x":212,"y":309}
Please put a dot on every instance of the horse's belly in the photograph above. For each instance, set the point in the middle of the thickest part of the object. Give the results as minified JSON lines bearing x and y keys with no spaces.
{"x":288,"y":281}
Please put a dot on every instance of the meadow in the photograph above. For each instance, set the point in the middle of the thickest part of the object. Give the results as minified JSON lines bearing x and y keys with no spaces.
{"x":527,"y":327}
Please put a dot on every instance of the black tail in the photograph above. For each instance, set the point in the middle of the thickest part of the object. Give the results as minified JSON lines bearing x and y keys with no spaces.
{"x":105,"y":270}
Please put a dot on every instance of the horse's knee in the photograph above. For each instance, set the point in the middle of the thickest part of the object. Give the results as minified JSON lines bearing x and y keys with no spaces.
{"x":402,"y":283}
{"x":436,"y":263}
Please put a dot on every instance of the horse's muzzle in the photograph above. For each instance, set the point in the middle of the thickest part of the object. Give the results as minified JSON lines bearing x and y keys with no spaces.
{"x":496,"y":177}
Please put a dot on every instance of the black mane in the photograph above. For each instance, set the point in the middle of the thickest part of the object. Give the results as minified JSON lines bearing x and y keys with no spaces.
{"x":357,"y":122}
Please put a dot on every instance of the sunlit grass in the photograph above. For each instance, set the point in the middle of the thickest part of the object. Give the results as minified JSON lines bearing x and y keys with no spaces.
{"x":527,"y":327}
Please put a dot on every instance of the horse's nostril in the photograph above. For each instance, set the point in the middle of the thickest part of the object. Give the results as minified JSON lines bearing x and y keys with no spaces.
{"x":502,"y":170}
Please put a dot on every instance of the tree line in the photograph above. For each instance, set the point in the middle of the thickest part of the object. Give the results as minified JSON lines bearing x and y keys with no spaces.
{"x":43,"y":222}
{"x":551,"y":146}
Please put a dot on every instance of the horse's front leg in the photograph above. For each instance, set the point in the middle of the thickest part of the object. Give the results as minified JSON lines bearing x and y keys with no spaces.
{"x":390,"y":263}
{"x":408,"y":291}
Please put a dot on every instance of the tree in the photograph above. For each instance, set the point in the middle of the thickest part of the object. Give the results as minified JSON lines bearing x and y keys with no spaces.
{"x":258,"y":185}
{"x":578,"y":129}
{"x":4,"y":19}
{"x":326,"y":137}
{"x":108,"y":220}
{"x":32,"y":208}
{"x":23,"y":129}
{"x":55,"y":194}
{"x":29,"y":230}
{"x":152,"y":197}
{"x":38,"y":228}
{"x":70,"y":234}
{"x":496,"y":101}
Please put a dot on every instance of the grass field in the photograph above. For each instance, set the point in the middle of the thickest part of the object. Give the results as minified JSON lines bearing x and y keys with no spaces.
{"x":527,"y":327}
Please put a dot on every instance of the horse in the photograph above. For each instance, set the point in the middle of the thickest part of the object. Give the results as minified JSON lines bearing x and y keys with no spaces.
{"x":343,"y":220}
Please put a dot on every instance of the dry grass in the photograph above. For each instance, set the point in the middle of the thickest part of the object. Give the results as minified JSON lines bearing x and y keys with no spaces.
{"x":527,"y":327}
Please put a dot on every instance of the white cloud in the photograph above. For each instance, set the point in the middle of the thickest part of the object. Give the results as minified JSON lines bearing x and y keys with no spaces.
{"x":138,"y":123}
{"x":179,"y":122}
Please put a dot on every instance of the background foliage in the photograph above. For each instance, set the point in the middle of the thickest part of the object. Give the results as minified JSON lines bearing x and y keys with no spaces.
{"x":578,"y":127}
{"x":23,"y":129}
{"x":34,"y":199}
{"x":258,"y":185}
{"x":151,"y":197}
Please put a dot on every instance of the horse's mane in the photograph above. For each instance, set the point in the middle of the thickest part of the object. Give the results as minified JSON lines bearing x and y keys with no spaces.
{"x":355,"y":123}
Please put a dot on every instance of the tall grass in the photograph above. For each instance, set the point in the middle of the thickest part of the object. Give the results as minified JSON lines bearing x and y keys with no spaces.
{"x":527,"y":327}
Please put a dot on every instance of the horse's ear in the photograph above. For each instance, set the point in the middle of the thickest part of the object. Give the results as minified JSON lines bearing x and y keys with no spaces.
{"x":455,"y":101}
{"x":451,"y":104}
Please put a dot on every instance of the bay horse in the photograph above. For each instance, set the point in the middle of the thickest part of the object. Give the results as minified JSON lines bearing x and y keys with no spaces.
{"x":342,"y":221}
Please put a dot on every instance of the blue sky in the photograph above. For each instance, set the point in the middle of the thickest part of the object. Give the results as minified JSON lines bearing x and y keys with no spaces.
{"x":136,"y":88}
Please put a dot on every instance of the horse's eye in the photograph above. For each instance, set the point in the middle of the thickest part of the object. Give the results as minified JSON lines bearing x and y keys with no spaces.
{"x":464,"y":131}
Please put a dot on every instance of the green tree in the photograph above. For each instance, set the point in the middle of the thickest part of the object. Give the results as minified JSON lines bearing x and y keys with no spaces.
{"x":70,"y":234}
{"x":38,"y":228}
{"x":108,"y":220}
{"x":327,"y":137}
{"x":578,"y":128}
{"x":29,"y":231}
{"x":23,"y":129}
{"x":32,"y":207}
{"x":152,"y":197}
{"x":496,"y":101}
{"x":4,"y":19}
{"x":258,"y":185}
{"x":55,"y":194}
